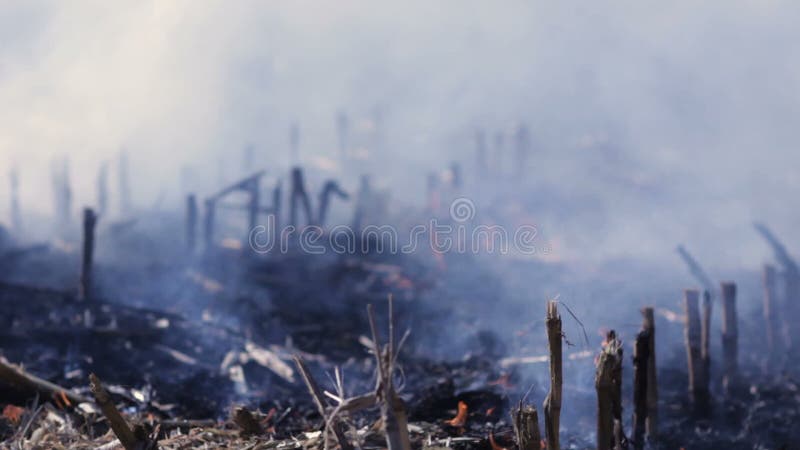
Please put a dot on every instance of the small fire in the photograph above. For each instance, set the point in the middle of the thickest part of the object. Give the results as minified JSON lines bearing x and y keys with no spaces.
{"x":461,"y":418}
{"x":61,"y":400}
{"x":13,"y":413}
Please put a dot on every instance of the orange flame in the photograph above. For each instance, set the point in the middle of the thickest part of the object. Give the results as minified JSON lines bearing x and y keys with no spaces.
{"x":461,"y":418}
{"x":13,"y":413}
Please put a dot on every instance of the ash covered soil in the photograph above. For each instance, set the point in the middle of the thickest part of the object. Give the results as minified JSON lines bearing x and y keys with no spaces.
{"x":184,"y":341}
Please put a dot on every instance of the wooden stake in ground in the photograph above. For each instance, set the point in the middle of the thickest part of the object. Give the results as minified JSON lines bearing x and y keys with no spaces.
{"x":649,"y":325}
{"x":770,"y":313}
{"x":191,"y":222}
{"x":135,"y":439}
{"x":526,"y":427}
{"x":614,"y":345}
{"x":552,"y":404}
{"x":604,"y":385}
{"x":641,"y":359}
{"x":730,"y":335}
{"x":89,"y":221}
{"x":698,"y":385}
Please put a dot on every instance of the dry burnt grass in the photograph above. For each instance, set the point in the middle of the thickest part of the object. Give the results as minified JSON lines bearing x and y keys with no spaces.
{"x":179,"y":342}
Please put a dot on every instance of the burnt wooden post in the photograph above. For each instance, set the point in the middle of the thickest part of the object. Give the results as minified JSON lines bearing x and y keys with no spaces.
{"x":124,"y":184}
{"x":698,"y":386}
{"x":191,"y":222}
{"x":770,"y":313}
{"x":299,"y":195}
{"x":649,"y":325}
{"x":208,"y":224}
{"x":526,"y":427}
{"x":791,"y":273}
{"x":16,"y":216}
{"x":552,"y":404}
{"x":604,"y":385}
{"x":89,"y":221}
{"x":641,"y":360}
{"x":102,"y":189}
{"x":730,"y":335}
{"x":614,"y":346}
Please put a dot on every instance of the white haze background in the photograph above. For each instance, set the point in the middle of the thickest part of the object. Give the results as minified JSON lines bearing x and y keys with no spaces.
{"x":698,"y":101}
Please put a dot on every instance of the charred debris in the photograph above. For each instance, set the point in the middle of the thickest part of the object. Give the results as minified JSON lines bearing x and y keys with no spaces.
{"x":142,"y":332}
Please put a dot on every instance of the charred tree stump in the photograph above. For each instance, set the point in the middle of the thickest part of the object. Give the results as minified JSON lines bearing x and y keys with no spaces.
{"x":614,"y":346}
{"x":552,"y":404}
{"x":730,"y":336}
{"x":770,"y":314}
{"x":526,"y":427}
{"x":791,"y":272}
{"x":648,"y":324}
{"x":191,"y":222}
{"x":641,"y":359}
{"x":604,"y":385}
{"x":89,"y":222}
{"x":299,"y":196}
{"x":698,"y":385}
{"x":131,"y":439}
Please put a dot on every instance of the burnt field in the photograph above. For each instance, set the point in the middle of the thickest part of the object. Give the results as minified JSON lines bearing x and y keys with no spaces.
{"x":166,"y":329}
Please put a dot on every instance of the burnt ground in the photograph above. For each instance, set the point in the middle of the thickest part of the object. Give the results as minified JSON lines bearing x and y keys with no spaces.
{"x":180,"y":337}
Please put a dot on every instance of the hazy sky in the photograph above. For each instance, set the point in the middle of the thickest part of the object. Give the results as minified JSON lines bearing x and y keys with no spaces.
{"x":705,"y":95}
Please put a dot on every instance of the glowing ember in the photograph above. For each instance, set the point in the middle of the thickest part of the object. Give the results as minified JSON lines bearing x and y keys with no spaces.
{"x":461,"y":418}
